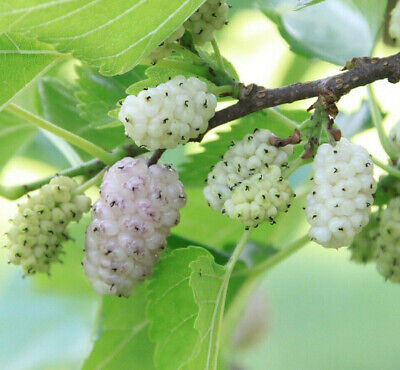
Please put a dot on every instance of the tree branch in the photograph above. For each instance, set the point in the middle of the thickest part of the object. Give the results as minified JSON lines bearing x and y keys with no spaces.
{"x":363,"y":72}
{"x":89,"y":168}
{"x":16,"y":191}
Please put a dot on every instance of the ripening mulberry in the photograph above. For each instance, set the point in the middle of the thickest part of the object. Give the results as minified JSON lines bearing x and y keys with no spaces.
{"x":394,"y":28}
{"x":339,"y":205}
{"x":259,"y":198}
{"x":164,"y":49}
{"x":247,"y":184}
{"x":388,"y":255}
{"x":365,"y":244}
{"x":131,"y":221}
{"x":39,"y":227}
{"x":211,"y":16}
{"x":170,"y":114}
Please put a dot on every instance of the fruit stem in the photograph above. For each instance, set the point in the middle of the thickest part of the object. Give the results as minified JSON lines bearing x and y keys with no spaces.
{"x":218,"y":55}
{"x":305,"y":124}
{"x":225,"y":89}
{"x":297,"y":163}
{"x":221,"y":298}
{"x":157,"y":154}
{"x":95,"y":180}
{"x":389,"y":169}
{"x":282,"y":119}
{"x":237,"y":305}
{"x":266,"y":265}
{"x":17,"y":191}
{"x":73,"y":139}
{"x":378,"y":123}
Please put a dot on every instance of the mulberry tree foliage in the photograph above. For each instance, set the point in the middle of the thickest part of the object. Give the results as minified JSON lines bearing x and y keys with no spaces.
{"x":173,"y":185}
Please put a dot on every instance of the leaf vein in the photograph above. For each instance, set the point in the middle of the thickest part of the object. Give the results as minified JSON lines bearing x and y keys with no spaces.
{"x":141,"y":39}
{"x":111,"y":21}
{"x":135,"y":330}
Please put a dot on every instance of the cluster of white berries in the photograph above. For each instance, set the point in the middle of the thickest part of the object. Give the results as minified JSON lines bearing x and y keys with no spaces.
{"x":247,"y":184}
{"x":365,"y":243}
{"x":164,"y":49}
{"x":211,"y":16}
{"x":39,"y":227}
{"x":394,"y":136}
{"x":339,"y":205}
{"x":170,"y":114}
{"x":388,"y":252}
{"x":394,"y":27}
{"x":137,"y":207}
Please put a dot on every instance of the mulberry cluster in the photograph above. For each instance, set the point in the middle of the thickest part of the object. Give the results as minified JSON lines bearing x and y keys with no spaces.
{"x":164,"y":49}
{"x":394,"y":136}
{"x":39,"y":227}
{"x":339,"y":205}
{"x":365,"y":244}
{"x":211,"y":16}
{"x":394,"y":28}
{"x":247,"y":184}
{"x":388,"y":254}
{"x":137,"y":207}
{"x":170,"y":114}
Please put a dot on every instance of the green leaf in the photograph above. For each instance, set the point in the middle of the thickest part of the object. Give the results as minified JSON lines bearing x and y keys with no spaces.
{"x":304,"y":3}
{"x":22,"y":60}
{"x":177,"y":242}
{"x":42,"y":330}
{"x":296,"y":69}
{"x":207,"y":280}
{"x":354,"y":123}
{"x":172,"y":310}
{"x":239,"y":5}
{"x":196,"y":170}
{"x":112,"y":37}
{"x":254,"y":252}
{"x":99,"y":94}
{"x":388,"y":188}
{"x":58,"y":105}
{"x":123,"y":341}
{"x":356,"y":21}
{"x":213,"y":61}
{"x":13,"y":134}
{"x":40,"y":147}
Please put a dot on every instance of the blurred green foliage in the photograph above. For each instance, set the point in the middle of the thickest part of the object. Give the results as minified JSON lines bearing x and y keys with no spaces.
{"x":326,"y":313}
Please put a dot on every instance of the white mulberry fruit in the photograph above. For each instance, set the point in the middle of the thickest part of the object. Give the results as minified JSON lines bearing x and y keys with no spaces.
{"x":211,"y":16}
{"x":339,"y":205}
{"x":394,"y":27}
{"x":131,"y":221}
{"x":170,"y":114}
{"x":39,"y":227}
{"x":164,"y":49}
{"x":259,"y":198}
{"x":365,"y":243}
{"x":247,"y":184}
{"x":388,"y":255}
